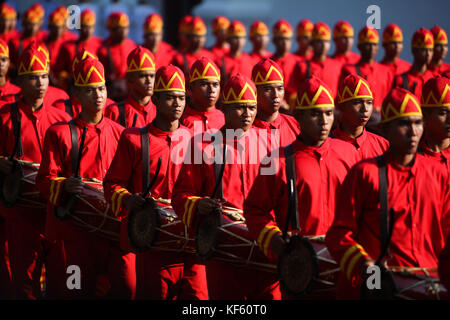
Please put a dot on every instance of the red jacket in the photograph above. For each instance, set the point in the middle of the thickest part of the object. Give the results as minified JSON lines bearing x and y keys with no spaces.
{"x":287,"y":64}
{"x":399,"y":66}
{"x":213,"y":119}
{"x":33,"y":128}
{"x":197,"y":179}
{"x":218,"y":52}
{"x":286,"y":126}
{"x":328,"y":71}
{"x":164,"y":55}
{"x":415,"y":81}
{"x":230,"y":65}
{"x":18,"y":44}
{"x":56,"y":166}
{"x":9,"y":89}
{"x":377,"y":75}
{"x":115,"y":62}
{"x":420,"y":198}
{"x":368,"y":144}
{"x":257,"y":57}
{"x":442,"y":157}
{"x":439,"y":70}
{"x":125,"y":173}
{"x":145,"y":114}
{"x":320,"y":172}
{"x":185,"y":60}
{"x":348,"y":58}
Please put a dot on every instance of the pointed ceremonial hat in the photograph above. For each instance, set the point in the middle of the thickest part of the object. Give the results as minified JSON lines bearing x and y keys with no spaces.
{"x":314,"y":93}
{"x":169,"y":78}
{"x":399,"y":103}
{"x":140,"y":59}
{"x":267,"y":71}
{"x":239,"y":89}
{"x":436,"y":92}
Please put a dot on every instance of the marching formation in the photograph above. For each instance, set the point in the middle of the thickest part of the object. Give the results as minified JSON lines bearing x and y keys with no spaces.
{"x":147,"y":171}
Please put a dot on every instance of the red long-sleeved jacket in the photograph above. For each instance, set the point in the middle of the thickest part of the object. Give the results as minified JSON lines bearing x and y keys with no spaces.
{"x":145,"y":114}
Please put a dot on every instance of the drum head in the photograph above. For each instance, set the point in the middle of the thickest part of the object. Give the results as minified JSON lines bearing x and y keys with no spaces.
{"x":207,"y":235}
{"x":143,"y":227}
{"x":11,"y":186}
{"x":298,"y":267}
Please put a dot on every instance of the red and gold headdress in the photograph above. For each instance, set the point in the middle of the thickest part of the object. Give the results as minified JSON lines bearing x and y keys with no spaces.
{"x":239,"y":89}
{"x":399,"y":103}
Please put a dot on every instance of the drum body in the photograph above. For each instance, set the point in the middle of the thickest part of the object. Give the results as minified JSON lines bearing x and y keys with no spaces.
{"x":158,"y":227}
{"x":224,"y":236}
{"x":94,"y":214}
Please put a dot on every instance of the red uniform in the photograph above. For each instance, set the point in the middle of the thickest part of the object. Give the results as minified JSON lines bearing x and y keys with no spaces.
{"x":368,"y":144}
{"x":164,"y":55}
{"x":439,"y":70}
{"x":348,"y":58}
{"x":9,"y":89}
{"x":115,"y":59}
{"x":287,"y":64}
{"x":18,"y":44}
{"x":160,"y":275}
{"x":328,"y":71}
{"x":444,"y":265}
{"x":213,"y":119}
{"x":230,"y":65}
{"x":443,"y":157}
{"x":24,"y":231}
{"x":185,"y":60}
{"x":218,"y":52}
{"x":257,"y":57}
{"x":286,"y":126}
{"x":131,"y":108}
{"x":399,"y":66}
{"x":412,"y":81}
{"x":378,"y":76}
{"x":418,"y":194}
{"x":316,"y":196}
{"x":74,"y":245}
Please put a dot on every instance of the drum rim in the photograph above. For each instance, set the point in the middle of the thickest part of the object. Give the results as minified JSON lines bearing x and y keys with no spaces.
{"x":156,"y":225}
{"x":16,"y":166}
{"x":315,"y":266}
{"x":216,"y":213}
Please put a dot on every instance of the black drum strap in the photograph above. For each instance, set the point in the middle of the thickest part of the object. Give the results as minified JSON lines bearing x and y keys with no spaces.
{"x":218,"y":174}
{"x":405,"y":81}
{"x":75,"y":149}
{"x":358,"y":69}
{"x":16,"y":124}
{"x":145,"y":158}
{"x":122,"y":118}
{"x":308,"y":69}
{"x":291,"y":177}
{"x":386,"y":217}
{"x":68,"y":107}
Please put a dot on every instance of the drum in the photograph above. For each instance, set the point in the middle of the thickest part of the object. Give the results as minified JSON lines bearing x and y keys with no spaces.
{"x":418,"y":284}
{"x":224,"y":236}
{"x":307,"y":270}
{"x":157,"y":226}
{"x":93,"y":213}
{"x":19,"y":188}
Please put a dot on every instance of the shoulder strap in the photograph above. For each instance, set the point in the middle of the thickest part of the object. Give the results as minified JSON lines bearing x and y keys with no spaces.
{"x":405,"y":81}
{"x":291,"y":176}
{"x":145,"y":158}
{"x":185,"y":64}
{"x":218,"y":174}
{"x":122,"y":118}
{"x":68,"y":107}
{"x":223,"y":70}
{"x":358,"y":69}
{"x":15,"y":119}
{"x":308,"y":69}
{"x":75,"y":149}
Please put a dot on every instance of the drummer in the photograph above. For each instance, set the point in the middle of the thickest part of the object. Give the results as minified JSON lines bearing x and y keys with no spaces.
{"x":24,"y":229}
{"x":137,"y":109}
{"x":321,"y":164}
{"x":418,"y":194}
{"x":106,"y":270}
{"x":160,"y":275}
{"x":192,"y":195}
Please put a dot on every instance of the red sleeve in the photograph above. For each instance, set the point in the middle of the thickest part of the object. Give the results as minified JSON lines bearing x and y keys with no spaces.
{"x":341,"y":238}
{"x":112,"y":112}
{"x":50,"y":178}
{"x":267,"y":194}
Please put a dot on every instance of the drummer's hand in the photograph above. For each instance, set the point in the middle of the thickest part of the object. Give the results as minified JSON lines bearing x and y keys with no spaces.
{"x":134,"y":202}
{"x":73,"y":185}
{"x":207,"y":205}
{"x":278,"y":244}
{"x":5,"y":166}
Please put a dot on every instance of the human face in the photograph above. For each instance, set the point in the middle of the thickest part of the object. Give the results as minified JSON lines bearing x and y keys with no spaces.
{"x":240,"y":115}
{"x":320,"y":47}
{"x":170,"y":104}
{"x":368,"y":50}
{"x":440,"y":51}
{"x":86,"y":32}
{"x":205,"y":93}
{"x":92,"y":98}
{"x":303,"y":42}
{"x":422,"y":55}
{"x":404,"y":134}
{"x":344,"y":44}
{"x":316,"y":124}
{"x":195,"y":42}
{"x":356,"y":112}
{"x":260,"y":41}
{"x":393,"y":49}
{"x":4,"y":65}
{"x":236,"y":43}
{"x":120,"y":33}
{"x":153,"y":39}
{"x":437,"y":122}
{"x":269,"y":97}
{"x":282,"y":44}
{"x":34,"y":85}
{"x":141,"y":82}
{"x":31,"y":28}
{"x":56,"y":32}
